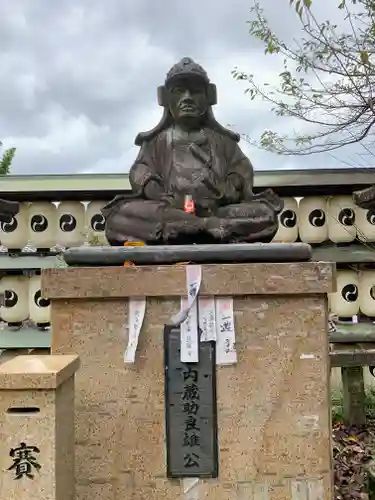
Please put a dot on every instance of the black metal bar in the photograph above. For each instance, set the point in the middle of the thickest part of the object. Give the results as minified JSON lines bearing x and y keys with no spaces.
{"x":351,"y":338}
{"x":169,"y":254}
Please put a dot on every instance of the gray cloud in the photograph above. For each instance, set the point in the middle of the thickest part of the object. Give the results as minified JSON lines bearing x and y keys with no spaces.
{"x":78,"y":77}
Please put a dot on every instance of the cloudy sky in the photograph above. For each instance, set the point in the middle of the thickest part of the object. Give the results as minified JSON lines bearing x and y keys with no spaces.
{"x":78,"y":78}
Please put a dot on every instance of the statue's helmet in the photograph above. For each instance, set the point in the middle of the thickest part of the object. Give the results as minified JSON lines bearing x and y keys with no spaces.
{"x":186,"y":68}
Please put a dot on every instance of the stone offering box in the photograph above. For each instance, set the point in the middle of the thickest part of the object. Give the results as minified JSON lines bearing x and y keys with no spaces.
{"x":37,"y":428}
{"x":273,"y":404}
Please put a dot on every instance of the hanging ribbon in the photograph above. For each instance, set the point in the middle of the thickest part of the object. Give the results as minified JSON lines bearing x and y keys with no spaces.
{"x":137,"y":309}
{"x":193,"y":283}
{"x":207,"y":318}
{"x":226,"y":353}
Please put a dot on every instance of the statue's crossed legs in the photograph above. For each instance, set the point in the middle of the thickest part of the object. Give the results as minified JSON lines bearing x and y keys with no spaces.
{"x":155,"y":223}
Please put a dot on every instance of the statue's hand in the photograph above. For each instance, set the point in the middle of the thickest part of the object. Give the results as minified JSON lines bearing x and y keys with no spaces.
{"x":174,"y":200}
{"x":205,"y":207}
{"x":212,"y":183}
{"x":153,"y":190}
{"x":235,"y":180}
{"x":231,"y":192}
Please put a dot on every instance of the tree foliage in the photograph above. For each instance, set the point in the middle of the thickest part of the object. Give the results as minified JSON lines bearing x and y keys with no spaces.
{"x":6,"y":161}
{"x":328,"y":78}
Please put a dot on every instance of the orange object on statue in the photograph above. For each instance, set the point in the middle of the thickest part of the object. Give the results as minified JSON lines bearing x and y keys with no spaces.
{"x":129,"y":263}
{"x":189,"y":205}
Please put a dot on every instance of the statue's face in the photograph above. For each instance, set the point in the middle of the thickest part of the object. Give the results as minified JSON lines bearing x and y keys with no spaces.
{"x":188,"y":99}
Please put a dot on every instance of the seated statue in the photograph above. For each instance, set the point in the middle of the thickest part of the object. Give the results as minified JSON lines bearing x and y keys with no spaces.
{"x":190,"y":156}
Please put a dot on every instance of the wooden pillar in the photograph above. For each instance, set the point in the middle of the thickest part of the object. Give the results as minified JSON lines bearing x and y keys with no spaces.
{"x":354,"y":395}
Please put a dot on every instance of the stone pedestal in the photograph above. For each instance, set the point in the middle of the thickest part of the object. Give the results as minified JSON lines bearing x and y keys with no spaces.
{"x":37,"y":428}
{"x":273,"y":405}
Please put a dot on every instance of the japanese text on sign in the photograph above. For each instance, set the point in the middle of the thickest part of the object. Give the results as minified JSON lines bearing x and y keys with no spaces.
{"x":190,"y":407}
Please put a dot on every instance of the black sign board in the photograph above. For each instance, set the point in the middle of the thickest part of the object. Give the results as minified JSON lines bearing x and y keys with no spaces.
{"x":190,"y":410}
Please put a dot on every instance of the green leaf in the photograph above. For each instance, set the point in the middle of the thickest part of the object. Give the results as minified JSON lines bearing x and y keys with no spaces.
{"x":6,"y":162}
{"x":364,"y":57}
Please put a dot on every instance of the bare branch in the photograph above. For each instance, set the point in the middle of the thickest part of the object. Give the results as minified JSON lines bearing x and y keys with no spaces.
{"x":327,"y":81}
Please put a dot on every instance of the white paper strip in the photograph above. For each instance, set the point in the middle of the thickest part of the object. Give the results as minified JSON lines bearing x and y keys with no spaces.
{"x":190,"y":488}
{"x":193,"y":284}
{"x":207,"y":318}
{"x":225,"y":332}
{"x":308,"y":490}
{"x":137,"y":309}
{"x":189,"y":334}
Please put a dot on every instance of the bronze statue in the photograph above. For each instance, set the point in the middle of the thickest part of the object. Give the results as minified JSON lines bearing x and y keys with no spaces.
{"x":189,"y":155}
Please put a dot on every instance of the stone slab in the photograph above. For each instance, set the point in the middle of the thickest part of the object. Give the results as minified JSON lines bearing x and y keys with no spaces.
{"x":161,"y":281}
